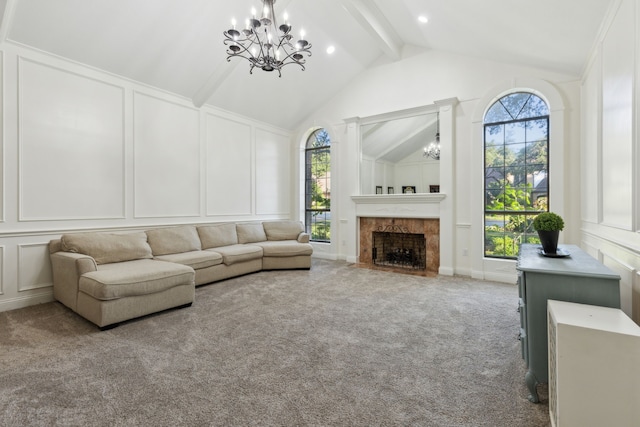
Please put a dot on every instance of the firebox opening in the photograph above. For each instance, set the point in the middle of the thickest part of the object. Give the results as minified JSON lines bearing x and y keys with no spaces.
{"x":403,"y":250}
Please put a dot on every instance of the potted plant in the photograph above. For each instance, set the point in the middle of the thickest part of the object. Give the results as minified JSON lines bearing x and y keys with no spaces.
{"x":548,"y":225}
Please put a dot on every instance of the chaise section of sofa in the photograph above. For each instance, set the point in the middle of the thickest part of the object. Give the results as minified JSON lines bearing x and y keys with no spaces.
{"x":109,"y":278}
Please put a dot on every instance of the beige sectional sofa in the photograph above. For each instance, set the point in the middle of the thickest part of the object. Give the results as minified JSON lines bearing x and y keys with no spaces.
{"x":108,"y":278}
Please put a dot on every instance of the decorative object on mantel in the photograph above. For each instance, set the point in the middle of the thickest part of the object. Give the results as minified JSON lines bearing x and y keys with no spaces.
{"x":265,"y":44}
{"x":433,"y":150}
{"x":548,"y":225}
{"x":434,"y":189}
{"x":390,"y":190}
{"x":378,"y":189}
{"x":408,"y":189}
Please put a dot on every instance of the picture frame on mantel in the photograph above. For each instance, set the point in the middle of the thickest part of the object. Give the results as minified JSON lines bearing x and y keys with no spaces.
{"x":408,"y":189}
{"x":390,"y":190}
{"x":378,"y":189}
{"x":434,"y":189}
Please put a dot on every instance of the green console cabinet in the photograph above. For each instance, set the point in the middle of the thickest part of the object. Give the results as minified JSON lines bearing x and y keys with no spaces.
{"x":577,"y":278}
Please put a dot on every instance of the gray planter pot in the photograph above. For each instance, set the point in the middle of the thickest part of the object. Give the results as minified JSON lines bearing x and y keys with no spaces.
{"x":549,"y":240}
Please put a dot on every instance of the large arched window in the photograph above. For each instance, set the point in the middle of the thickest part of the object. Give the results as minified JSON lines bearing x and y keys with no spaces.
{"x":516,"y":172}
{"x":318,"y":186}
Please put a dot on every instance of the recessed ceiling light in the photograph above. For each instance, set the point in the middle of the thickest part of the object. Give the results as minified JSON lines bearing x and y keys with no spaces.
{"x":423,"y":19}
{"x":331,"y":49}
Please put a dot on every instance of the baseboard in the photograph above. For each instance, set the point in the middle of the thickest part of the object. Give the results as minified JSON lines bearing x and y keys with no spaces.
{"x":501,"y":277}
{"x":463,"y":272}
{"x":324,"y":255}
{"x":445,"y":271}
{"x":26,"y":301}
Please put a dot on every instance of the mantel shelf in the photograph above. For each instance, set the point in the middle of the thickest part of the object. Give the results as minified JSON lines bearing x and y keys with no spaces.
{"x":399,"y":198}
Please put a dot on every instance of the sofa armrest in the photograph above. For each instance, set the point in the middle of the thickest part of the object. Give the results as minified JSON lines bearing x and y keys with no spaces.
{"x":303,"y":238}
{"x":67,"y":267}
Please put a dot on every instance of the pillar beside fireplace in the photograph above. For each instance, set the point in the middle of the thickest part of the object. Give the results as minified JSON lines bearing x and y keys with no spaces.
{"x":429,"y":227}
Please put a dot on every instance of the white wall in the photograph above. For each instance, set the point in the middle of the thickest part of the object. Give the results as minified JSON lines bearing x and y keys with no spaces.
{"x":86,"y":150}
{"x":610,"y":152}
{"x":421,"y":78}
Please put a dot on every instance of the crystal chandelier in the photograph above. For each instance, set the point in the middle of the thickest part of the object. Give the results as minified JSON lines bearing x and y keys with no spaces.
{"x":433,"y":150}
{"x":265,"y":44}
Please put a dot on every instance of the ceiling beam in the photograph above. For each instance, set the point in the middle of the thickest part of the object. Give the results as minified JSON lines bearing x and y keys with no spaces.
{"x":7,"y":19}
{"x":373,"y":22}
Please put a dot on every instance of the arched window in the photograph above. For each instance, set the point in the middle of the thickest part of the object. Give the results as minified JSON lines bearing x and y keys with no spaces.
{"x":516,"y":172}
{"x":318,"y":186}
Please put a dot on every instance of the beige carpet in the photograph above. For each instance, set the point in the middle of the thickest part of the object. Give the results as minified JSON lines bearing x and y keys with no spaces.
{"x":334,"y":346}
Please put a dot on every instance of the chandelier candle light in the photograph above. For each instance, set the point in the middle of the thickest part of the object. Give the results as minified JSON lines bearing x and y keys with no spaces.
{"x":433,"y":150}
{"x":265,"y":44}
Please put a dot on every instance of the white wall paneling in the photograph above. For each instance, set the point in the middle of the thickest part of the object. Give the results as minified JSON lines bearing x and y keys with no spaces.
{"x":71,"y":145}
{"x":589,"y":144}
{"x":34,"y":266}
{"x":2,"y":272}
{"x":166,"y":158}
{"x":2,"y":137}
{"x":627,"y":274}
{"x":229,"y":166}
{"x":273,"y":172}
{"x":618,"y":67}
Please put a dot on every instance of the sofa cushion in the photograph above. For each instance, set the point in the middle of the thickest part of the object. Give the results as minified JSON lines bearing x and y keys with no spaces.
{"x":130,"y":278}
{"x":282,"y":230}
{"x":108,"y":247}
{"x":284,"y":248}
{"x":194,"y":259}
{"x":216,"y":235}
{"x":250,"y":233}
{"x":238,"y":253}
{"x":174,"y":240}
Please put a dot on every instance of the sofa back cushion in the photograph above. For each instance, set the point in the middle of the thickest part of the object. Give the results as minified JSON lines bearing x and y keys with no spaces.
{"x":174,"y":240}
{"x":218,"y":235}
{"x":250,"y":233}
{"x":282,"y":230}
{"x":106,"y":248}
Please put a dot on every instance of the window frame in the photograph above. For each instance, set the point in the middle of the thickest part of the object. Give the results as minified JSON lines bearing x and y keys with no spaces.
{"x":309,"y":210}
{"x":528,"y":233}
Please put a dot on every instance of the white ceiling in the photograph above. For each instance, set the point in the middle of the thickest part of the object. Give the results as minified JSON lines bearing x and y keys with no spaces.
{"x":176,"y":45}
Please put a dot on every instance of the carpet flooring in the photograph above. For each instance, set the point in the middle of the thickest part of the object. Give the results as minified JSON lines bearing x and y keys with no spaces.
{"x":333,"y":346}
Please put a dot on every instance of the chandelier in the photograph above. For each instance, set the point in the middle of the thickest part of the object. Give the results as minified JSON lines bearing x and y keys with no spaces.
{"x":433,"y":150}
{"x":265,"y":44}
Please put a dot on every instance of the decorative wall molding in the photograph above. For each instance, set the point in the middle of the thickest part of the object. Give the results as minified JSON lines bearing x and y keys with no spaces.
{"x":76,"y":140}
{"x":34,"y":272}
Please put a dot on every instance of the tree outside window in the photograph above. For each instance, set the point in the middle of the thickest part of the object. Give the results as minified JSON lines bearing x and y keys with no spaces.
{"x":516,"y":180}
{"x":318,"y":186}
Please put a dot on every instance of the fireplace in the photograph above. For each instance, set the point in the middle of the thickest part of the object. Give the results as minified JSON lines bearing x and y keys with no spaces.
{"x":403,"y":244}
{"x":395,"y":246}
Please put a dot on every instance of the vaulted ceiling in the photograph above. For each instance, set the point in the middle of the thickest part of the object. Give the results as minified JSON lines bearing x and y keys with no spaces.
{"x":177,"y":45}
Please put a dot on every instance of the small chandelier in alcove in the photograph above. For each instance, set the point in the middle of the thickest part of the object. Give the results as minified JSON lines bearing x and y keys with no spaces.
{"x":265,"y":44}
{"x":433,"y":150}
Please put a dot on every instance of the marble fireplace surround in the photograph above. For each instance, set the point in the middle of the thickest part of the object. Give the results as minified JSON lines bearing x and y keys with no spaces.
{"x":430,"y":227}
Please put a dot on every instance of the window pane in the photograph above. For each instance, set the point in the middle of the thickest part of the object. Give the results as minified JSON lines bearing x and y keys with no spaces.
{"x":535,"y":107}
{"x":516,"y":153}
{"x":514,"y":132}
{"x":497,"y":113}
{"x":537,"y":130}
{"x":514,"y":103}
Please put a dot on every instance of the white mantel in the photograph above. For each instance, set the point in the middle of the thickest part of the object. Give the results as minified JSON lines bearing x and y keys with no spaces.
{"x":418,"y":205}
